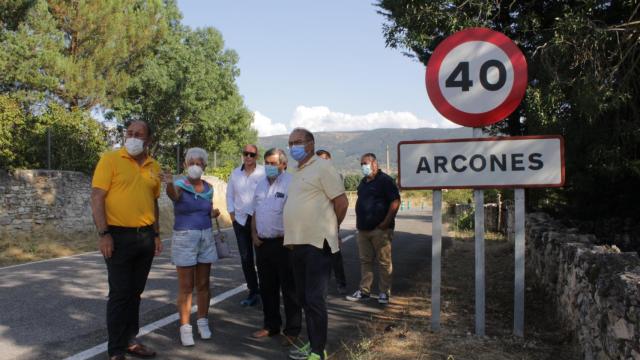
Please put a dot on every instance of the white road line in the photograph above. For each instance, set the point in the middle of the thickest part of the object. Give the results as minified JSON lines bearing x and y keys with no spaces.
{"x":348,"y":237}
{"x":98,"y":349}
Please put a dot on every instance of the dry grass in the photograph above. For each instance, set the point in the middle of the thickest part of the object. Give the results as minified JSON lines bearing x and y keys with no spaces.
{"x":403,"y":331}
{"x":43,"y":243}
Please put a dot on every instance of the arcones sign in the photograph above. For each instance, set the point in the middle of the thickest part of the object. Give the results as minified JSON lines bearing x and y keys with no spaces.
{"x":499,"y":162}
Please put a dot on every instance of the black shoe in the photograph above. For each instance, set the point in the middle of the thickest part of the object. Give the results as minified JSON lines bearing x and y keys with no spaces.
{"x":251,"y":300}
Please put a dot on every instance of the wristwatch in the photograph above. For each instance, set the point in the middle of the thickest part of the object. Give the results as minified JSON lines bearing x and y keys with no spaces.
{"x":104,"y":232}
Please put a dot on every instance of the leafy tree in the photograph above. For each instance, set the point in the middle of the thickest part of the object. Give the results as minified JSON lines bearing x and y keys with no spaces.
{"x":12,"y":124}
{"x":352,"y":181}
{"x":187,"y":93}
{"x":584,"y":61}
{"x":81,"y":53}
{"x":77,"y":140}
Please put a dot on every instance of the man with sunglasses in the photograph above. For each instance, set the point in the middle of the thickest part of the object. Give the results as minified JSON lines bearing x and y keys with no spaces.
{"x":240,"y":191}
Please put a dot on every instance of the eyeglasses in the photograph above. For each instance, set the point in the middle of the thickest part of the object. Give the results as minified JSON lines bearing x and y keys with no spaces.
{"x":249,"y":154}
{"x":298,"y":142}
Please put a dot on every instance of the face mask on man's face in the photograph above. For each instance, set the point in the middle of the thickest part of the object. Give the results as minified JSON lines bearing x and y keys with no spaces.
{"x":272,"y":171}
{"x":366,"y":169}
{"x":297,"y":152}
{"x":134,"y":146}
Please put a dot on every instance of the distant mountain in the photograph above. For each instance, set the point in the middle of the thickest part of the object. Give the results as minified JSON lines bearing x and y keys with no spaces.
{"x":346,"y":147}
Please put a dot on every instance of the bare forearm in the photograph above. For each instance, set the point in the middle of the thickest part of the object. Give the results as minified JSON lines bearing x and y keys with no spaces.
{"x":171,"y":192}
{"x":156,"y":210}
{"x":340,"y":206}
{"x":98,"y":210}
{"x":393,"y":210}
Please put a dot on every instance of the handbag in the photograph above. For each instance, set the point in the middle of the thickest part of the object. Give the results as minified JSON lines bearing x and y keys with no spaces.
{"x":222,"y":247}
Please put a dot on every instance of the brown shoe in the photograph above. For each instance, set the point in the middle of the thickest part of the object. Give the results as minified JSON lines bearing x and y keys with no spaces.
{"x":141,"y":351}
{"x":262,"y":333}
{"x":289,"y":340}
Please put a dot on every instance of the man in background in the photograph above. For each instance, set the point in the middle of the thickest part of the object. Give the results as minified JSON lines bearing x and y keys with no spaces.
{"x":240,"y":191}
{"x":376,"y":209}
{"x":336,"y":257}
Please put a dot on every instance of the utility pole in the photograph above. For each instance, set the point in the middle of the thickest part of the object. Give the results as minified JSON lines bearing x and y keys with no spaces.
{"x":388,"y":165}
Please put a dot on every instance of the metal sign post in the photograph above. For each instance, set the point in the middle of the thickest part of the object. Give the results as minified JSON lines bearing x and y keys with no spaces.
{"x":478,"y":197}
{"x":477,"y":77}
{"x":518,"y":291}
{"x":436,"y":253}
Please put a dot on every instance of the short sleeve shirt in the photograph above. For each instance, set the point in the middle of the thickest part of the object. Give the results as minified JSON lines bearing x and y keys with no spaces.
{"x":268,"y":203}
{"x":374,"y":199}
{"x":131,"y":188}
{"x":309,"y":217}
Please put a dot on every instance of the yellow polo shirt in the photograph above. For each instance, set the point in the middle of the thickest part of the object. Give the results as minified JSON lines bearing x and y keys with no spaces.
{"x":309,"y":217}
{"x":131,"y":189}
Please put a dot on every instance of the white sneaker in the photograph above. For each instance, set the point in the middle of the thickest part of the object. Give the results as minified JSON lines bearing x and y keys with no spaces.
{"x":186,"y":335}
{"x":203,"y":328}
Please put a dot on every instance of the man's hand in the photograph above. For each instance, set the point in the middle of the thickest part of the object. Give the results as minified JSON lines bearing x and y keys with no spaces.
{"x":383,"y":225}
{"x":105,"y":245}
{"x":215,"y":213}
{"x":158,"y":245}
{"x":233,"y":216}
{"x":256,"y":241}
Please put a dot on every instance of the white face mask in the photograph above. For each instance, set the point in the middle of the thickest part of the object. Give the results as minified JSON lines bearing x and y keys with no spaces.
{"x":134,"y":146}
{"x":194,"y":172}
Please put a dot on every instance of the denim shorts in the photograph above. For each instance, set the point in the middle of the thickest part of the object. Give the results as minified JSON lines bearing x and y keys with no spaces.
{"x":190,"y":247}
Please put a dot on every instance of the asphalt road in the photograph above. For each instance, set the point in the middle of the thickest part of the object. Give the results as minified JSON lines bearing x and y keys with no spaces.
{"x":56,"y":309}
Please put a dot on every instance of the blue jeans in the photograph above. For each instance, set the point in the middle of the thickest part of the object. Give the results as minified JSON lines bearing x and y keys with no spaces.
{"x":245,"y":247}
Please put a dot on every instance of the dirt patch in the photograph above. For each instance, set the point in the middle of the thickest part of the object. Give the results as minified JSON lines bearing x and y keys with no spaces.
{"x":403,"y":331}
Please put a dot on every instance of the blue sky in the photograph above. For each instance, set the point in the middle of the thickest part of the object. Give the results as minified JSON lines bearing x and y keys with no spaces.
{"x":318,"y":64}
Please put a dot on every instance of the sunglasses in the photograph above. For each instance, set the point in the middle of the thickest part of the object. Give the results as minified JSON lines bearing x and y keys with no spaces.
{"x":249,"y":154}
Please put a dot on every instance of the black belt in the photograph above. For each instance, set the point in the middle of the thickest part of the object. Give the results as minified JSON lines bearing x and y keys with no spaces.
{"x":123,"y":229}
{"x":271,"y":239}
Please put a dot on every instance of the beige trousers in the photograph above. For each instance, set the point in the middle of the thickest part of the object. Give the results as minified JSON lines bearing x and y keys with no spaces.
{"x":375,"y":244}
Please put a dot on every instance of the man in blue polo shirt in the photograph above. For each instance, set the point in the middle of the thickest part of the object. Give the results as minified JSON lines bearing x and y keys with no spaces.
{"x":376,"y":209}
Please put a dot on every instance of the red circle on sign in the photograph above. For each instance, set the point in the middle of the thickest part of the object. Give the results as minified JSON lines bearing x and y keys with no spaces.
{"x":496,"y":114}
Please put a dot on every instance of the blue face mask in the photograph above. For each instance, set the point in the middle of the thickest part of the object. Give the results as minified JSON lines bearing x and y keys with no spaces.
{"x":272,"y":171}
{"x":297,"y":152}
{"x":366,"y":169}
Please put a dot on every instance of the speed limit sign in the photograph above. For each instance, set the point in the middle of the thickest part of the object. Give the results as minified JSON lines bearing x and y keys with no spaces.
{"x":476,"y":77}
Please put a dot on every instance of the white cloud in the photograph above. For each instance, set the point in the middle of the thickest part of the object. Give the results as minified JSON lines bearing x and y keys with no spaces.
{"x":266,"y":126}
{"x":321,"y":118}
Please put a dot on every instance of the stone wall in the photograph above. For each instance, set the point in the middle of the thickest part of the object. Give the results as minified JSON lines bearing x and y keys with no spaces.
{"x":59,"y":201}
{"x":596,"y":289}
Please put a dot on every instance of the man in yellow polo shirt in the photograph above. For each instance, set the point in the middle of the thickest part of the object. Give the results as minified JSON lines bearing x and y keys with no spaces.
{"x":315,"y":207}
{"x":125,"y":189}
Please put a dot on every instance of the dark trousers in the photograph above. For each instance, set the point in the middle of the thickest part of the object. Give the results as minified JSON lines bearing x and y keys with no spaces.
{"x":128,"y":269}
{"x":311,"y":269}
{"x":245,"y":247}
{"x":276,"y":274}
{"x":338,"y":269}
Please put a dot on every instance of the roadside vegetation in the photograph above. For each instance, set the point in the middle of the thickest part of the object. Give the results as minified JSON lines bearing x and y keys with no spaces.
{"x":403,"y":331}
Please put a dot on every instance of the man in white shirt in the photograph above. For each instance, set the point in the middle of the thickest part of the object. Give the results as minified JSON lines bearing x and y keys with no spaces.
{"x":274,"y":264}
{"x":240,"y":190}
{"x":315,"y":207}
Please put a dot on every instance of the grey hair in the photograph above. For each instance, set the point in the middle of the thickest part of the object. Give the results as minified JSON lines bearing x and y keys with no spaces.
{"x":282,"y":156}
{"x":196,"y":153}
